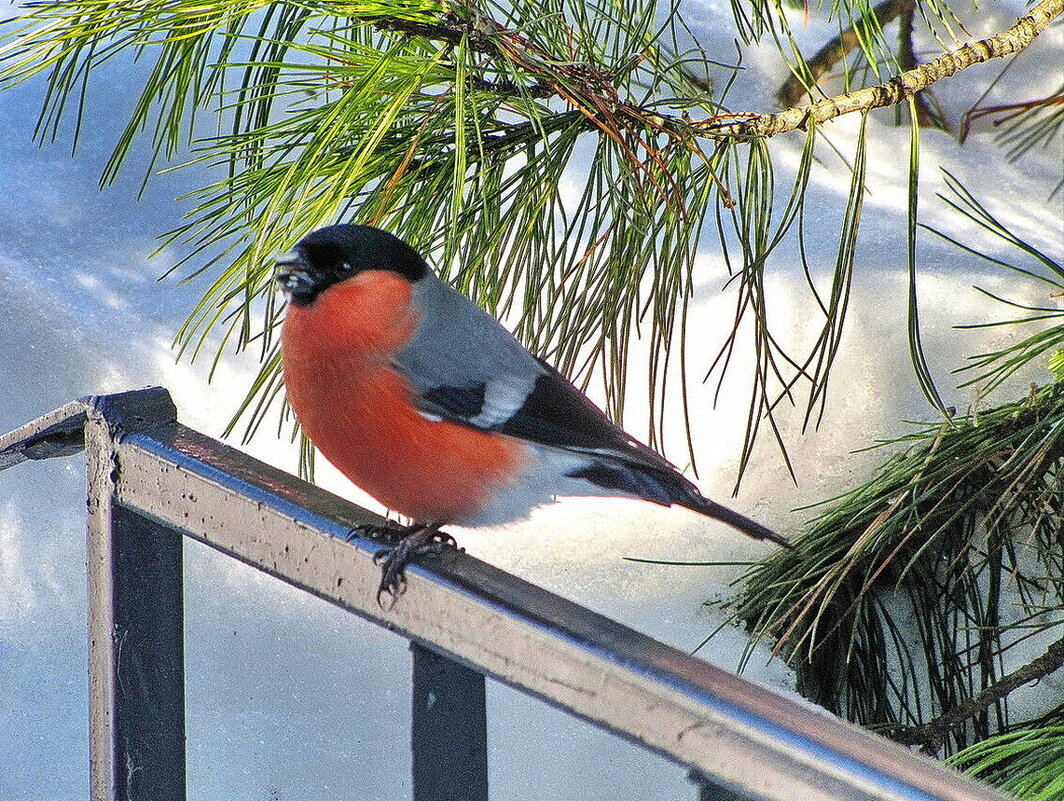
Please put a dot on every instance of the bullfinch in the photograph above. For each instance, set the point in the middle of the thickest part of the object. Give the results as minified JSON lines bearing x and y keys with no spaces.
{"x":424,"y":401}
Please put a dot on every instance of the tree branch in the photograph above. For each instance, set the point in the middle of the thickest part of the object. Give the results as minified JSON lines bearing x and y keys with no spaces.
{"x":591,"y":91}
{"x":802,"y":82}
{"x":926,"y":116}
{"x":449,"y":29}
{"x":931,"y":734}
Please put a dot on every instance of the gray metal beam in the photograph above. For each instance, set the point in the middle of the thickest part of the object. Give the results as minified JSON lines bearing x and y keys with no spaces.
{"x":62,"y":432}
{"x":58,"y":433}
{"x":750,"y":739}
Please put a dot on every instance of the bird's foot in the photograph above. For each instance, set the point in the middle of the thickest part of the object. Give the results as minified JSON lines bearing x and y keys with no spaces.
{"x":421,"y":540}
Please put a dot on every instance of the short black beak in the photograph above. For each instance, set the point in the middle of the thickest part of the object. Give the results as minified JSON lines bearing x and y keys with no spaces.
{"x":293,"y":277}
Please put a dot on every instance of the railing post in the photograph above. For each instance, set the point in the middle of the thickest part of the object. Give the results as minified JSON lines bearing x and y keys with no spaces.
{"x":136,"y":623}
{"x":709,"y":790}
{"x":449,"y":730}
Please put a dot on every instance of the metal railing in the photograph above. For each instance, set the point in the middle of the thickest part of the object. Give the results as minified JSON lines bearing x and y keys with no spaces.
{"x":152,"y":481}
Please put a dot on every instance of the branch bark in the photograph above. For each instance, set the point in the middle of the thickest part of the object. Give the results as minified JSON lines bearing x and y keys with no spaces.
{"x":926,"y":116}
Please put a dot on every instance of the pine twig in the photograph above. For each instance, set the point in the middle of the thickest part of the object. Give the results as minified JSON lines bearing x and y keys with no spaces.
{"x":1007,"y":110}
{"x":926,"y":117}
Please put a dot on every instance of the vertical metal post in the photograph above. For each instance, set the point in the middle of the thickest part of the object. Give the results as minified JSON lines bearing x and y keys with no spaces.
{"x":708,"y":790}
{"x":136,"y":645}
{"x":450,"y":736}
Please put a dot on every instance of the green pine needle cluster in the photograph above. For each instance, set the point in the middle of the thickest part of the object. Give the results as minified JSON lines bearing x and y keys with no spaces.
{"x":905,"y":595}
{"x":451,"y":128}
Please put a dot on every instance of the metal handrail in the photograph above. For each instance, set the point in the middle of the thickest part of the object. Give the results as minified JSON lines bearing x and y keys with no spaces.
{"x":153,"y":480}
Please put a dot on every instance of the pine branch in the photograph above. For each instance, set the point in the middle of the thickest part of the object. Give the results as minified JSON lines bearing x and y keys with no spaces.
{"x":892,"y":600}
{"x":802,"y":83}
{"x":926,"y":117}
{"x":506,"y":140}
{"x":1026,"y":764}
{"x":591,"y":91}
{"x":558,"y":76}
{"x":931,"y":734}
{"x":454,"y":129}
{"x":450,"y":29}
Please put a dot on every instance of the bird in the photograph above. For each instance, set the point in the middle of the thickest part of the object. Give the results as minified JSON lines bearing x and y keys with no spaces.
{"x":428,"y":404}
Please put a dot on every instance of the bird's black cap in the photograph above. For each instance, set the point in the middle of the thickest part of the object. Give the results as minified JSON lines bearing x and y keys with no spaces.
{"x":333,"y":254}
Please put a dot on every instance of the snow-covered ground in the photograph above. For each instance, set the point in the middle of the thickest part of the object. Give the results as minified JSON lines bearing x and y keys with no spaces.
{"x":290,"y":699}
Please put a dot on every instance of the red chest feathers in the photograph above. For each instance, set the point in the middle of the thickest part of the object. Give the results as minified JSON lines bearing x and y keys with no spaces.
{"x":358,"y":411}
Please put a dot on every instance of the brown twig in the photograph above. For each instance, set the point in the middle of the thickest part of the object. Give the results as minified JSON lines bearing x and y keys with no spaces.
{"x":583,"y":86}
{"x":1008,"y":111}
{"x":930,"y":735}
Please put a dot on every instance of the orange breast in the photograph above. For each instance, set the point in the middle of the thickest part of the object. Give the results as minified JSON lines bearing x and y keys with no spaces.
{"x":357,"y":409}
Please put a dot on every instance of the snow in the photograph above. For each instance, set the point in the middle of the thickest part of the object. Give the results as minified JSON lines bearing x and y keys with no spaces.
{"x":291,"y":699}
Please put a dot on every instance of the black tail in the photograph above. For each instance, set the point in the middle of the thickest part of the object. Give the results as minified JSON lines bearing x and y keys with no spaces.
{"x":749,"y":527}
{"x":663,"y":484}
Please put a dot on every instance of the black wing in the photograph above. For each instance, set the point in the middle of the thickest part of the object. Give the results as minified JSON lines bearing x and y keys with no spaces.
{"x":549,"y":411}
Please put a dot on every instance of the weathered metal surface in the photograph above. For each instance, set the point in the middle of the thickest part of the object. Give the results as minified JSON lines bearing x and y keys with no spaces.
{"x":748,"y":738}
{"x":57,"y":433}
{"x":136,"y":623}
{"x":449,"y":734}
{"x":61,"y":432}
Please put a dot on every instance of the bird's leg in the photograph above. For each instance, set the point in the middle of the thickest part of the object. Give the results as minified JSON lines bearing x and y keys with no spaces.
{"x":423,"y":539}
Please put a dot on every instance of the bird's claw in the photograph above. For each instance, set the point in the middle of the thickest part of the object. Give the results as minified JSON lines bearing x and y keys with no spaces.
{"x":393,"y":581}
{"x":393,"y":561}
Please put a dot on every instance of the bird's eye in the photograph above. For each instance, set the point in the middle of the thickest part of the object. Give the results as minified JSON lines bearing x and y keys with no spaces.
{"x":346,"y":267}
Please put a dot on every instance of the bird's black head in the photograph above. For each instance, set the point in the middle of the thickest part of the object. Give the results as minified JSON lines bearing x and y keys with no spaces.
{"x":334,"y":254}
